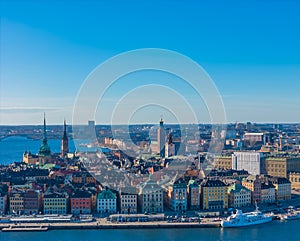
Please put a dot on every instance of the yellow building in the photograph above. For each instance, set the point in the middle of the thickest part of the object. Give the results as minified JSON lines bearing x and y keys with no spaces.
{"x":83,"y":177}
{"x":213,"y":195}
{"x":55,"y":203}
{"x":223,"y":162}
{"x":253,"y":183}
{"x":30,"y":158}
{"x":279,"y":166}
{"x":16,"y":202}
{"x":294,"y":178}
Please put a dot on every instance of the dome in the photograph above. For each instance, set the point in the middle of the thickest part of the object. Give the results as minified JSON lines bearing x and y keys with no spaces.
{"x":44,"y":150}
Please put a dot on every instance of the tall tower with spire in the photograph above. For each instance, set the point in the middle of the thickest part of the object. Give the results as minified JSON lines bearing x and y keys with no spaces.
{"x":64,"y":142}
{"x":161,"y":138}
{"x":44,"y":149}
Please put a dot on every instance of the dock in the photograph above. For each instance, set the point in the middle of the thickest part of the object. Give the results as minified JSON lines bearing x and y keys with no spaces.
{"x":24,"y":229}
{"x":103,"y":225}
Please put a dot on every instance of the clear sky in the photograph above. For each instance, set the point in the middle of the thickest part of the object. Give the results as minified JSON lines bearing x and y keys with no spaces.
{"x":251,"y":49}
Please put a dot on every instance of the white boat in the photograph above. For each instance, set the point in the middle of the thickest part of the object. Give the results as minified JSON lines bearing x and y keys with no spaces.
{"x":240,"y":219}
{"x":291,"y":215}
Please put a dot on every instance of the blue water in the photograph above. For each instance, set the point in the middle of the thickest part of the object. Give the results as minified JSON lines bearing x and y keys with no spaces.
{"x":12,"y":148}
{"x":281,"y":231}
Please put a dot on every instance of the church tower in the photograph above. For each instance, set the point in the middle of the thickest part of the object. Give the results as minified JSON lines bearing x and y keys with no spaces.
{"x":170,"y":147}
{"x":161,"y":138}
{"x":44,"y":149}
{"x":64,"y":142}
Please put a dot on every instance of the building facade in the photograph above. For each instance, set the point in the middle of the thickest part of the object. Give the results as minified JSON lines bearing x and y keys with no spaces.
{"x":214,"y":195}
{"x":177,"y":195}
{"x":294,"y":178}
{"x":81,"y":203}
{"x":238,"y":196}
{"x":83,"y":177}
{"x":128,"y":202}
{"x":282,"y":188}
{"x":253,"y":183}
{"x":16,"y":202}
{"x":268,"y":193}
{"x":193,"y":192}
{"x":55,"y":203}
{"x":223,"y":162}
{"x":32,"y":202}
{"x":30,"y":158}
{"x":249,"y":161}
{"x":3,"y":203}
{"x":254,"y":138}
{"x":279,"y":166}
{"x":151,"y":197}
{"x":106,"y":202}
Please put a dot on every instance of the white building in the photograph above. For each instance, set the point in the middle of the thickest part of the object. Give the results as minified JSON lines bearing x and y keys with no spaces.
{"x":128,"y":201}
{"x":268,"y":193}
{"x":282,"y":188}
{"x":151,"y":197}
{"x":238,"y":196}
{"x":249,"y":161}
{"x":106,"y":202}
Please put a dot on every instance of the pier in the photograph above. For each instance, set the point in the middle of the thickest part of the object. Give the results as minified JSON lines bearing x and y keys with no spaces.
{"x":104,"y":225}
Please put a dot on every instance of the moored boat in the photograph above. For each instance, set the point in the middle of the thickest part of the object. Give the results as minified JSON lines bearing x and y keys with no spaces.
{"x":240,"y":219}
{"x":291,"y":215}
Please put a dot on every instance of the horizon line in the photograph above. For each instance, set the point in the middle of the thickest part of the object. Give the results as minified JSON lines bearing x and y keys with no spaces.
{"x":124,"y":124}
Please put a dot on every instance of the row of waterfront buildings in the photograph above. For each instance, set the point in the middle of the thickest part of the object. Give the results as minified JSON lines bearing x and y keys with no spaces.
{"x":282,"y":164}
{"x":49,"y":194}
{"x":58,"y":184}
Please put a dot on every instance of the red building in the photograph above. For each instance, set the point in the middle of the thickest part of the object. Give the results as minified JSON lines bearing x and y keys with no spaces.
{"x":81,"y":202}
{"x":32,"y":202}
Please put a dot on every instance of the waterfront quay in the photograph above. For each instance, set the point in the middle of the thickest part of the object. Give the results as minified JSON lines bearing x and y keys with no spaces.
{"x":103,"y":224}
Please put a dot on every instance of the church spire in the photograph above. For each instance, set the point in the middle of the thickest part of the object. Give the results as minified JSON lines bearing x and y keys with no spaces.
{"x":44,"y":149}
{"x":44,"y":132}
{"x":64,"y":142}
{"x":65,"y":137}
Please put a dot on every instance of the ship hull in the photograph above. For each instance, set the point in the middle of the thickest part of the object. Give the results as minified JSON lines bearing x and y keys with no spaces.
{"x":228,"y":224}
{"x":292,"y":217}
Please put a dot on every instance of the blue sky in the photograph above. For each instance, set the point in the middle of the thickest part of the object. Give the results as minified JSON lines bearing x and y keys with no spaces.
{"x":249,"y":48}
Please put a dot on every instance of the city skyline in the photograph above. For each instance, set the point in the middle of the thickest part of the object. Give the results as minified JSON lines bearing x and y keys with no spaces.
{"x":250,"y":50}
